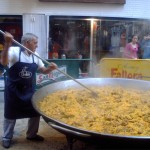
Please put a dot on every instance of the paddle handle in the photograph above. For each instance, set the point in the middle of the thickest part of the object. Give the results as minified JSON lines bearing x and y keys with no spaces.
{"x":48,"y":63}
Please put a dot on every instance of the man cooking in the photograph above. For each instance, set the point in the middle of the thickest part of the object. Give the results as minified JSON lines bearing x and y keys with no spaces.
{"x":19,"y":86}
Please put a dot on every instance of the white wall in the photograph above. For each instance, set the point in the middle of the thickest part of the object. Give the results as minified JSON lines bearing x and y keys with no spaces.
{"x":132,"y":8}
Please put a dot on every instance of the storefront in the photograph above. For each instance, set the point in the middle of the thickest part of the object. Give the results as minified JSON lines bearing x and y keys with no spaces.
{"x":93,"y":37}
{"x":85,"y":33}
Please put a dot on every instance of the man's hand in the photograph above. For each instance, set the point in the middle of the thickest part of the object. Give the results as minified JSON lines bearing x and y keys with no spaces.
{"x":8,"y":38}
{"x":52,"y":66}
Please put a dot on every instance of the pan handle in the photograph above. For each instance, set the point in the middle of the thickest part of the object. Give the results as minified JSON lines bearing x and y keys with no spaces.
{"x":68,"y":130}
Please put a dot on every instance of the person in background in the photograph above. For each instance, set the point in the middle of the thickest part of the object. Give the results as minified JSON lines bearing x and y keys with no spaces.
{"x":1,"y":49}
{"x":131,"y":49}
{"x":122,"y":43}
{"x":56,"y":47}
{"x":1,"y":66}
{"x":19,"y":86}
{"x":145,"y":46}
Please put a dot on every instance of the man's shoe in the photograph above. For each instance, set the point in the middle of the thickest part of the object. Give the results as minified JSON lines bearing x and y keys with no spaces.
{"x":36,"y":138}
{"x":6,"y":143}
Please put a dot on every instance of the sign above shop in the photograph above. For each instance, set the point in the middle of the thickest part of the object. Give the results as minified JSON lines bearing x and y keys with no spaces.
{"x":89,"y":1}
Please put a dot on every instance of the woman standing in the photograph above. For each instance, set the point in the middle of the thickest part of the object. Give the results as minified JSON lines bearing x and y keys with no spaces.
{"x":131,"y":49}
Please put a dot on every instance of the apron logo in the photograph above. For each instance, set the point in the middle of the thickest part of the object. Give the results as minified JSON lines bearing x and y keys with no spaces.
{"x":24,"y":73}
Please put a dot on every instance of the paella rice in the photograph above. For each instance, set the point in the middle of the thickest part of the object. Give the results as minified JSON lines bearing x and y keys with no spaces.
{"x":116,"y":110}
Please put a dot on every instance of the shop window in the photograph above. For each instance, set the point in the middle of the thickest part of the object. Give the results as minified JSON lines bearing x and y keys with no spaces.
{"x":93,"y":38}
{"x":12,"y":24}
{"x":69,"y":36}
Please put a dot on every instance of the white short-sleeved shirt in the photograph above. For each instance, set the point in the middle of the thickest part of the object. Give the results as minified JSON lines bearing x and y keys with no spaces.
{"x":13,"y":55}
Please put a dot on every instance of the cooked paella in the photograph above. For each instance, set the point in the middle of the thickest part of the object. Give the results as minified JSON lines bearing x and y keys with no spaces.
{"x":116,"y":110}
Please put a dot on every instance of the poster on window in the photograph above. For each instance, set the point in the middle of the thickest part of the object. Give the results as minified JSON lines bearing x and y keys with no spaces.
{"x":42,"y":79}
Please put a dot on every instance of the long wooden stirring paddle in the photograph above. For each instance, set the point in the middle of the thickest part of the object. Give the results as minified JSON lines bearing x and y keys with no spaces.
{"x":93,"y":93}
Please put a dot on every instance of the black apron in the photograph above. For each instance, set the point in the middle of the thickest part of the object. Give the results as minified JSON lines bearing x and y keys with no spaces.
{"x":19,"y":88}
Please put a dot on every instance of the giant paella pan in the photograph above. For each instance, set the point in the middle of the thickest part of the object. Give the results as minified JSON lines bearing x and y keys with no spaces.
{"x":86,"y":134}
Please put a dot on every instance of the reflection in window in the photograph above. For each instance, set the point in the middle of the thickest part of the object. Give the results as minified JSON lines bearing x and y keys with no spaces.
{"x":93,"y":38}
{"x":12,"y":24}
{"x":69,"y":36}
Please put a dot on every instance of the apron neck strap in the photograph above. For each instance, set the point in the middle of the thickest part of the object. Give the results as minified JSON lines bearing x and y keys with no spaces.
{"x":21,"y":50}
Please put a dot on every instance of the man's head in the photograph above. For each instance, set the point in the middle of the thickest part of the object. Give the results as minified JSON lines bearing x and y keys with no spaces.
{"x":30,"y":41}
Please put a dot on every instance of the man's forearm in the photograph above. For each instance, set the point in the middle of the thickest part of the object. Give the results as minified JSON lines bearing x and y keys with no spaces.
{"x":4,"y":55}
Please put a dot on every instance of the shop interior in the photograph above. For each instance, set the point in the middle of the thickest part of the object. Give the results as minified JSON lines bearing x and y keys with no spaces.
{"x":74,"y":34}
{"x":92,"y":38}
{"x":12,"y":24}
{"x":81,"y":37}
